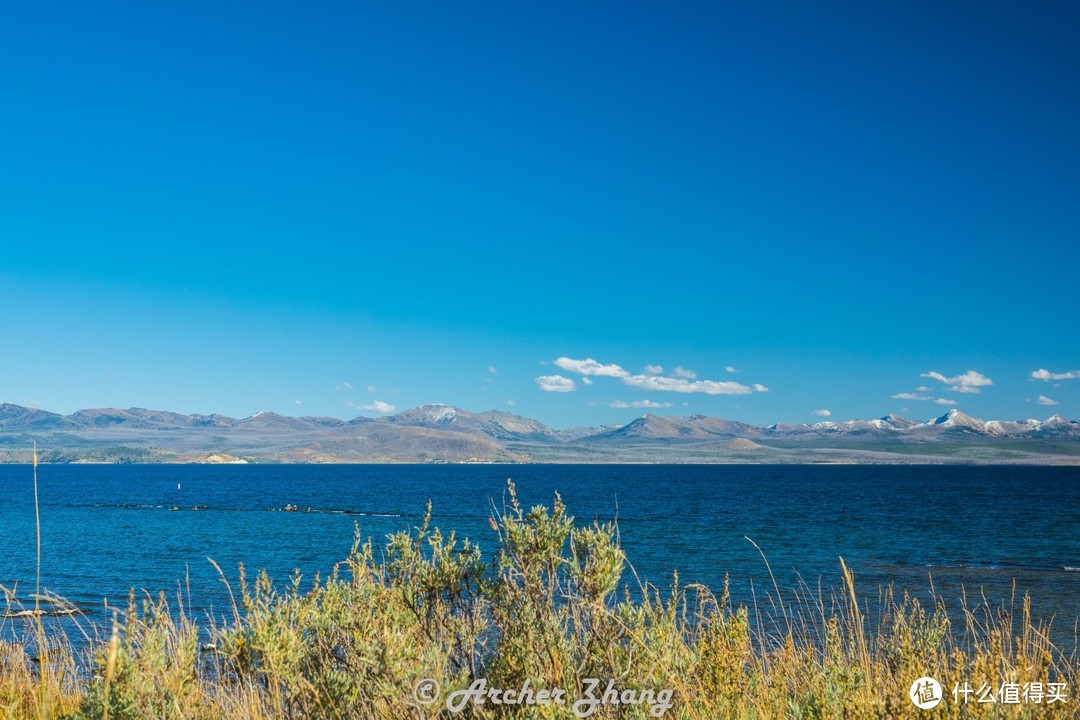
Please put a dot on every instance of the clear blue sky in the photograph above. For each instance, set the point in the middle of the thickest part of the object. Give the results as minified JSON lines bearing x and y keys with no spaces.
{"x":226,"y":207}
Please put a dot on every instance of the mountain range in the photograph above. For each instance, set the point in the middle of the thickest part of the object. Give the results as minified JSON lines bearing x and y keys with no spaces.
{"x":442,"y":433}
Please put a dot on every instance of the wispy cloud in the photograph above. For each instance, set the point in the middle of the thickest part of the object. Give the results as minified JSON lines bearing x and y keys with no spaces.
{"x":343,"y":386}
{"x":298,"y":402}
{"x":555,"y":383}
{"x":923,"y":398}
{"x":823,"y":413}
{"x":1043,"y":400}
{"x":653,"y":369}
{"x":370,"y":388}
{"x":683,"y":373}
{"x":638,"y":404}
{"x":1043,"y":374}
{"x":731,"y":369}
{"x":969,"y":382}
{"x":586,"y":380}
{"x":682,"y":385}
{"x":511,"y":403}
{"x":379,"y":406}
{"x":588,"y":366}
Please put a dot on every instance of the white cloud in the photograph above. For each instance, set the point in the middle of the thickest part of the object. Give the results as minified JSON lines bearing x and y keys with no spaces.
{"x":1042,"y":374}
{"x":588,"y":366}
{"x":1043,"y":400}
{"x":638,"y":404}
{"x":511,"y":403}
{"x":379,"y":406}
{"x":370,"y":388}
{"x":681,"y":385}
{"x":823,"y":413}
{"x":343,"y":386}
{"x":679,"y":380}
{"x":923,"y":388}
{"x":493,"y":370}
{"x":555,"y":383}
{"x":730,"y":369}
{"x":298,"y":402}
{"x":969,"y":382}
{"x":923,"y":398}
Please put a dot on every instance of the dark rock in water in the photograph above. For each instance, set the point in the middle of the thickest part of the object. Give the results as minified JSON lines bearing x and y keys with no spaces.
{"x":54,"y":612}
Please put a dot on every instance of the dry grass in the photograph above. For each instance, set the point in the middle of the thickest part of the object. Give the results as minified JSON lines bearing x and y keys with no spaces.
{"x":551,"y":609}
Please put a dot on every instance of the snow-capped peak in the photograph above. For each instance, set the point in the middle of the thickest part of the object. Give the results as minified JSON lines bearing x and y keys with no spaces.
{"x":437,"y":412}
{"x":955,"y":418}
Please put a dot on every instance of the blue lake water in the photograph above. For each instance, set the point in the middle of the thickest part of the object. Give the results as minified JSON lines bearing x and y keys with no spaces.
{"x":109,"y":528}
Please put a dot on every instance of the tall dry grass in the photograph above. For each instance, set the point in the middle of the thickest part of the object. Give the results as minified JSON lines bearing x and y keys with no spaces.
{"x":551,"y":608}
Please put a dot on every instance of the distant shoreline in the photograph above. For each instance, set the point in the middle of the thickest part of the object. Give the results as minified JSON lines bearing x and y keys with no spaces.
{"x":1058,"y":461}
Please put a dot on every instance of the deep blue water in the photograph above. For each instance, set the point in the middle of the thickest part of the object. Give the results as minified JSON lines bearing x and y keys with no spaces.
{"x":109,"y":528}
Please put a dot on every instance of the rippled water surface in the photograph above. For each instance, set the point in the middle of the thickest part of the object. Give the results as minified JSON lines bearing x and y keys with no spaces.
{"x":109,"y":528}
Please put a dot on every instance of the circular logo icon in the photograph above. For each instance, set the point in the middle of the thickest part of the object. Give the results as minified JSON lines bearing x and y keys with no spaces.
{"x":925,"y":693}
{"x":426,"y":691}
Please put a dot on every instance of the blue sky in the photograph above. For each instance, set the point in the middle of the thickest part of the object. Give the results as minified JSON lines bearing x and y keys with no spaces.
{"x":313,"y":208}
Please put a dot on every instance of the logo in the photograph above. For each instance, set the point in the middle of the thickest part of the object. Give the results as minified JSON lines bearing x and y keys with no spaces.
{"x":925,"y":693}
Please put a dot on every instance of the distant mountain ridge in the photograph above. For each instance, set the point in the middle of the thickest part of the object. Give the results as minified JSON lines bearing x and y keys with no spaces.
{"x":443,"y":433}
{"x":493,"y":423}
